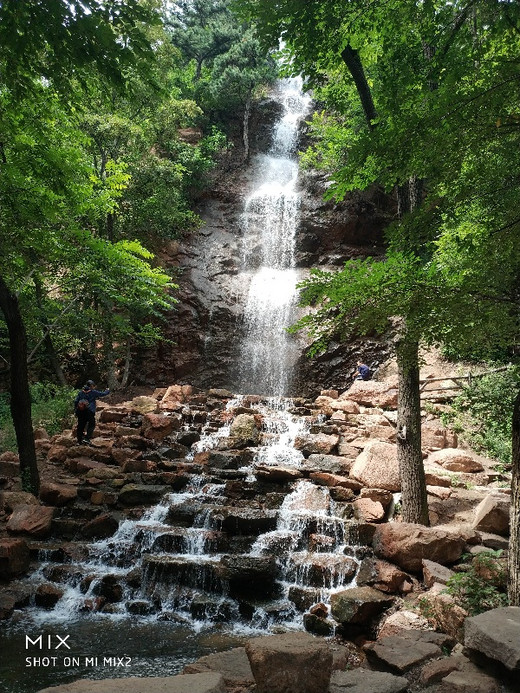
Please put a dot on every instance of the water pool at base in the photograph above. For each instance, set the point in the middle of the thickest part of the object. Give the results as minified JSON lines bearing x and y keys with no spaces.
{"x":99,"y":649}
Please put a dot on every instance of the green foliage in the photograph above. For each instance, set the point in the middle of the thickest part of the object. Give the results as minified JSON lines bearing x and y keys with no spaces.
{"x":482,"y":414}
{"x":51,"y":407}
{"x":482,"y":586}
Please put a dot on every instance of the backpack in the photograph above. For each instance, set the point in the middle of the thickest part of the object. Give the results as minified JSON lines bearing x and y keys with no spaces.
{"x":82,"y":405}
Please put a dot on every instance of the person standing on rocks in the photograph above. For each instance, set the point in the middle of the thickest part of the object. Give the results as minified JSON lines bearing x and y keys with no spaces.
{"x":85,"y":410}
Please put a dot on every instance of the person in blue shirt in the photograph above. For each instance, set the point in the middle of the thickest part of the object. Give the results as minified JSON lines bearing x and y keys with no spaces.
{"x":363,"y":371}
{"x":85,"y":410}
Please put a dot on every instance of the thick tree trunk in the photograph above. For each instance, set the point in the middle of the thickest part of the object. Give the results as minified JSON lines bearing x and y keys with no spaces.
{"x":513,"y":587}
{"x":20,"y":393}
{"x":245,"y":128}
{"x":353,"y":62}
{"x":409,"y":454}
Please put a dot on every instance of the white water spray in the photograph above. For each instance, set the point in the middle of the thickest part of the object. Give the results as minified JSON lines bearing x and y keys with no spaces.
{"x":271,"y":214}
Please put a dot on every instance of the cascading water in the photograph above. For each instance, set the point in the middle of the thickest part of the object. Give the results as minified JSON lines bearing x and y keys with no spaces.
{"x":270,"y":219}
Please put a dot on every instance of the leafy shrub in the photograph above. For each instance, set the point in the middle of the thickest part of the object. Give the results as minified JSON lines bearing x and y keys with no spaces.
{"x":482,"y":586}
{"x":482,"y":414}
{"x":51,"y":407}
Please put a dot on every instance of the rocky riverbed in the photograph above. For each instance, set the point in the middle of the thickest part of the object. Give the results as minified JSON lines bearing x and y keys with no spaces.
{"x":288,"y":527}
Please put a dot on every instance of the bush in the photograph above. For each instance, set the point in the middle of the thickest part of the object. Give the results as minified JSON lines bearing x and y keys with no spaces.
{"x":51,"y":409}
{"x":482,"y":414}
{"x":482,"y":586}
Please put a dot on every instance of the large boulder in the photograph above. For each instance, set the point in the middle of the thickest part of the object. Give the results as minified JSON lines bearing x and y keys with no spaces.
{"x":34,"y":520}
{"x":406,"y":544}
{"x":371,"y":393}
{"x":14,"y":558}
{"x":377,"y":466}
{"x":290,"y":663}
{"x":358,"y":605}
{"x":496,"y":634}
{"x":492,"y":515}
{"x":455,"y":460}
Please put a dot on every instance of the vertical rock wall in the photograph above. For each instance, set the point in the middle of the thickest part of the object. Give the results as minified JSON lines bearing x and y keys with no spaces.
{"x":207,"y":325}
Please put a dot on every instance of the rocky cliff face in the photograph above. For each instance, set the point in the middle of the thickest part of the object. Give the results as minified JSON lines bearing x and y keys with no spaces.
{"x":207,"y":325}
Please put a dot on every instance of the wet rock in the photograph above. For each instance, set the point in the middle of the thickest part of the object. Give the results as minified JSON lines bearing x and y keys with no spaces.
{"x":363,"y":680}
{"x":233,"y":459}
{"x":290,"y":663}
{"x":496,"y":634}
{"x":249,"y":574}
{"x":7,"y":605}
{"x":322,"y":570}
{"x":140,"y":608}
{"x":141,"y":494}
{"x":34,"y":520}
{"x":175,"y":451}
{"x":14,"y":558}
{"x":276,"y":474}
{"x":244,"y":431}
{"x":400,"y":654}
{"x":182,"y":683}
{"x":108,"y":588}
{"x":318,"y":444}
{"x":455,"y":460}
{"x":318,"y":625}
{"x":185,"y":570}
{"x":104,"y":525}
{"x":233,"y":665}
{"x":358,"y":605}
{"x":249,"y":521}
{"x":377,"y":466}
{"x":303,"y":597}
{"x":47,"y":596}
{"x":492,"y":515}
{"x":57,"y":494}
{"x":158,"y":426}
{"x":407,"y":544}
{"x":331,"y":464}
{"x":187,"y":438}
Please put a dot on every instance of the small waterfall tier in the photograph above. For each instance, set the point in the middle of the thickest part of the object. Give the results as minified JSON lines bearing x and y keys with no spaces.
{"x":270,"y":221}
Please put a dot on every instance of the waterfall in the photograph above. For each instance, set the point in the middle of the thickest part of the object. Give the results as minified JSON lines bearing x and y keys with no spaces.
{"x":270,"y":221}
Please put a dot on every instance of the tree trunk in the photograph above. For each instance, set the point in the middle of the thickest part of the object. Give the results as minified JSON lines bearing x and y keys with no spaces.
{"x":409,"y":453}
{"x":245,"y":130}
{"x":126,"y":370}
{"x":353,"y":62}
{"x":513,"y":587}
{"x":20,"y":393}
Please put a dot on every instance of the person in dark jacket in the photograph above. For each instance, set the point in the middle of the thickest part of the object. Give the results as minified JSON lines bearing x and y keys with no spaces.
{"x":363,"y":371}
{"x":85,"y":410}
